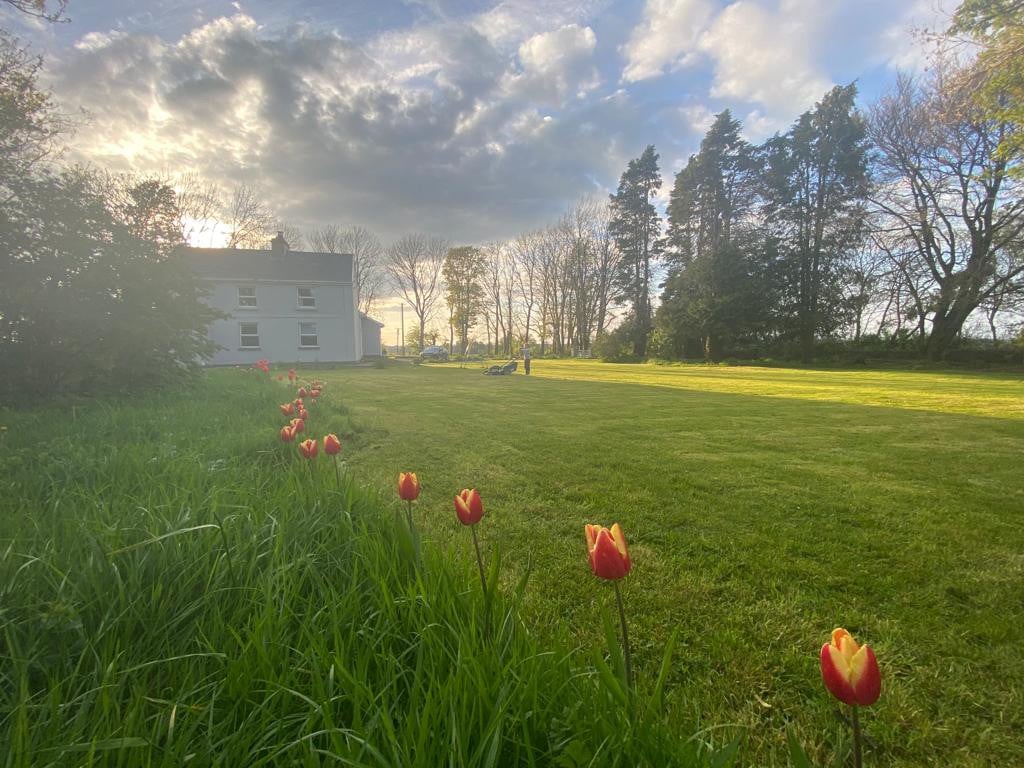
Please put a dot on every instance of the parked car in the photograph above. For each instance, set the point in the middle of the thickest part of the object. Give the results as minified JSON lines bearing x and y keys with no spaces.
{"x":437,"y":354}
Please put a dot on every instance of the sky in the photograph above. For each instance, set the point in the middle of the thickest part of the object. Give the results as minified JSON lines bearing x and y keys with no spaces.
{"x":473,"y":120}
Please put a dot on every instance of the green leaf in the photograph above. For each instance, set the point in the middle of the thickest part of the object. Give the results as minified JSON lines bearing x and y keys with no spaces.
{"x":797,"y":755}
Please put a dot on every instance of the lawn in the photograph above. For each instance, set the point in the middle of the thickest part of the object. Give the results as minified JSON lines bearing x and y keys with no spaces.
{"x":177,"y":588}
{"x":764,"y":506}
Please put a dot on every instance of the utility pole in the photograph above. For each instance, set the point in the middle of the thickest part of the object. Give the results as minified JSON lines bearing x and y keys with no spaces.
{"x":402,"y":308}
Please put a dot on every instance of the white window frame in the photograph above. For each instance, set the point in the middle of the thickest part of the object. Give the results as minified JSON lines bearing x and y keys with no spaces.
{"x":315,"y":334}
{"x":254,"y":298}
{"x":242,"y":336}
{"x":302,"y":299}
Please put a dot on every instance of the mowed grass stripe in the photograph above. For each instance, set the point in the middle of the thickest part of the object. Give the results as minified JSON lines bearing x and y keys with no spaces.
{"x":980,"y":393}
{"x":759,"y":518}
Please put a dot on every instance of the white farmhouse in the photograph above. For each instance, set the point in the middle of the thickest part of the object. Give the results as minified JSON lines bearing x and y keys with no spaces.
{"x":283,"y":305}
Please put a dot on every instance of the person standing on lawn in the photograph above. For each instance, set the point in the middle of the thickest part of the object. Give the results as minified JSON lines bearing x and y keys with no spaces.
{"x":525,"y":351}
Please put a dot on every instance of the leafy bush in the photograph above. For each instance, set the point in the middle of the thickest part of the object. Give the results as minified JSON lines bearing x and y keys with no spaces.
{"x":616,"y":346}
{"x":88,"y":303}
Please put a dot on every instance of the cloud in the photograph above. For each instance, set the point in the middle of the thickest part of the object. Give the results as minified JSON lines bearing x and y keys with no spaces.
{"x":666,"y":38}
{"x":758,"y":54}
{"x":767,"y":57}
{"x":431,"y":129}
{"x":556,"y":65}
{"x":775,"y":58}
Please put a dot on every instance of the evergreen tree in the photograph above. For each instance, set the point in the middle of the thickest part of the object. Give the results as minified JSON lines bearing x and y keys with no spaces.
{"x":815,"y":190}
{"x":635,"y":227}
{"x":710,"y":295}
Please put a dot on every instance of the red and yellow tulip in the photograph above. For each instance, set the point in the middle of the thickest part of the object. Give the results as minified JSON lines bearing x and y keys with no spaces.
{"x":408,"y":486}
{"x":308,"y":448}
{"x":469,"y":507}
{"x":298,"y":425}
{"x":303,"y":414}
{"x":850,"y":671}
{"x":287,"y":409}
{"x":287,"y":434}
{"x":609,"y":555}
{"x":303,"y":392}
{"x":332,"y":445}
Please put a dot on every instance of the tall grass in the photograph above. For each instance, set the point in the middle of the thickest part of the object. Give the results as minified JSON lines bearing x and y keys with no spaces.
{"x":176,"y":588}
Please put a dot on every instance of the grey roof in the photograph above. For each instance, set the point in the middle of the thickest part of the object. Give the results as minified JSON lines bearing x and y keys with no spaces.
{"x":366,"y":318}
{"x":251,"y":264}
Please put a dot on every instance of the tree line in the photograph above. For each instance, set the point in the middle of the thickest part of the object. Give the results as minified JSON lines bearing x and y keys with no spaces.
{"x":902,"y":220}
{"x":899,"y":223}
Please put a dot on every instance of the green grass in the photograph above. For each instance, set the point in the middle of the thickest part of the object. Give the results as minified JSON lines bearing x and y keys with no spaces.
{"x":764,"y":507}
{"x":285,"y":626}
{"x":177,"y":588}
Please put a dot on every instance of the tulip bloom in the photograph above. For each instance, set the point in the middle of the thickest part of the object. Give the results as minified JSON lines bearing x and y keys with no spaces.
{"x":609,"y":560}
{"x":308,"y":448}
{"x":287,"y":409}
{"x":302,"y":392}
{"x":287,"y":434}
{"x":314,"y":393}
{"x":408,"y":486}
{"x":332,"y":445}
{"x":609,"y":557}
{"x":469,"y":507}
{"x":303,"y":414}
{"x":850,"y":671}
{"x":409,"y":491}
{"x":298,"y":425}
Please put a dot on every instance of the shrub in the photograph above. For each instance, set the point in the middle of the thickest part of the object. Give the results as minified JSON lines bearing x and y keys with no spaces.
{"x":616,"y":346}
{"x":86,"y":303}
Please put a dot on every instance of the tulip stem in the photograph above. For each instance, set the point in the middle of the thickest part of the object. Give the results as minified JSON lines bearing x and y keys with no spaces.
{"x":627,"y":654}
{"x":408,"y":514}
{"x":479,"y":561}
{"x":858,"y":760}
{"x":337,"y":472}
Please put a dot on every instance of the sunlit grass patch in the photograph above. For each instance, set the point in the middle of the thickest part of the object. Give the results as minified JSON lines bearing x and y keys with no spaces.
{"x":764,"y":507}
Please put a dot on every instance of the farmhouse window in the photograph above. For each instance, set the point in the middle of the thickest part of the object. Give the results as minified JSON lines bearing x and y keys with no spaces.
{"x":249,"y":335}
{"x":247,"y":296}
{"x":308,"y":335}
{"x":306,"y":298}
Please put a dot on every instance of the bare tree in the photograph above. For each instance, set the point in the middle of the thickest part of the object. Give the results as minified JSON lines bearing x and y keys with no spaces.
{"x":1007,"y":299}
{"x":526,"y":272}
{"x":367,"y":259}
{"x":414,"y":264}
{"x":329,"y":238}
{"x":494,"y":292}
{"x":947,"y":194}
{"x":863,"y":276}
{"x":41,"y":9}
{"x":367,"y":254}
{"x":200,"y":202}
{"x":248,"y":218}
{"x":292,"y":235}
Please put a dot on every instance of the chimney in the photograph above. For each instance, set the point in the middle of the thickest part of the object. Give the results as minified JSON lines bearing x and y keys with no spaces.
{"x":279,"y":246}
